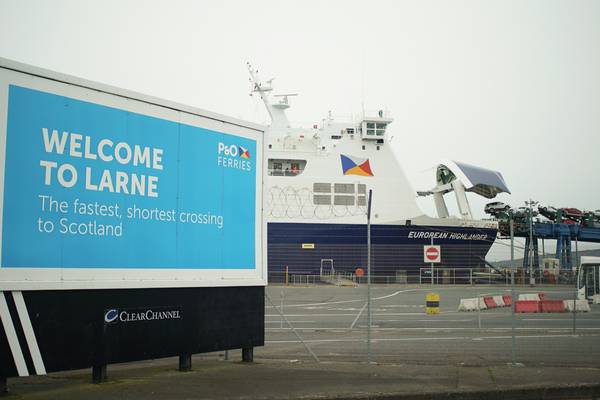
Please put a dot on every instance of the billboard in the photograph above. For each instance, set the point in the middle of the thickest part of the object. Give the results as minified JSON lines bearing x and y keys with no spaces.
{"x":103,"y":191}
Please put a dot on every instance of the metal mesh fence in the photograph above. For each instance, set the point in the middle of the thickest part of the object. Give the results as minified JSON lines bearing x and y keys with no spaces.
{"x":332,"y":322}
{"x":321,"y":313}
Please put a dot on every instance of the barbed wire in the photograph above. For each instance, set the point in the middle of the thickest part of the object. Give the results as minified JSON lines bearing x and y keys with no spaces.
{"x":291,"y":202}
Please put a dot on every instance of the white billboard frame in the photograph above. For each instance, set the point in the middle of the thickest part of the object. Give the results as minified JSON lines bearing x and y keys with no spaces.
{"x":12,"y":73}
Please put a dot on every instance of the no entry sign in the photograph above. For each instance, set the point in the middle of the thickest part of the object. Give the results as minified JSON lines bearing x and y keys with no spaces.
{"x":432,"y":254}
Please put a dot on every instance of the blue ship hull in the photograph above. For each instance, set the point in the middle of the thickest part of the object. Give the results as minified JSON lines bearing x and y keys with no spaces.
{"x":301,"y":247}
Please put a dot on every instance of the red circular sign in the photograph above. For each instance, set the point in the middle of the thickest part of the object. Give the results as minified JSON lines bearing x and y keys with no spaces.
{"x":359,"y":272}
{"x":432,"y":253}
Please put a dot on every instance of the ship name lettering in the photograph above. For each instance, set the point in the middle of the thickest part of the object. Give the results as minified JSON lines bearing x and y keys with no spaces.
{"x":427,"y":235}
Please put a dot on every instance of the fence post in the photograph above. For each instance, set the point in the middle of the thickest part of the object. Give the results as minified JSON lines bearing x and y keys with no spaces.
{"x":512,"y":292}
{"x":369,"y":320}
{"x":575,"y":307}
{"x":281,"y":319}
{"x":432,"y":282}
{"x":478,"y":311}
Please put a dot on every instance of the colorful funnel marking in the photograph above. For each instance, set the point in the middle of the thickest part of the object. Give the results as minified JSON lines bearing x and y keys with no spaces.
{"x":244,"y":153}
{"x":356,"y":166}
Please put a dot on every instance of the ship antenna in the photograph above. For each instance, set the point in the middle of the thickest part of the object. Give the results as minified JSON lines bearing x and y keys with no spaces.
{"x":260,"y":87}
{"x":276,"y":112}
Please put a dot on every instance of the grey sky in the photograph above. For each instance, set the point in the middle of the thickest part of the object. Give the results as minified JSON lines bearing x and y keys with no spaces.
{"x":509,"y":85}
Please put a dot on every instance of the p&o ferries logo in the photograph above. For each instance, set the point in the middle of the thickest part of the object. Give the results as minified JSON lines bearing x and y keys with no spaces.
{"x":233,"y":156}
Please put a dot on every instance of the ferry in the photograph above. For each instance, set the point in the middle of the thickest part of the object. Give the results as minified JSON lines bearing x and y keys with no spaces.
{"x":317,"y":187}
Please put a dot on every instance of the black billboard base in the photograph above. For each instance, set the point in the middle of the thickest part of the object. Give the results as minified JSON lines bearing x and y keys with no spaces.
{"x":3,"y":386}
{"x":77,"y":329}
{"x":185,"y":362}
{"x":247,"y":354}
{"x":99,"y":374}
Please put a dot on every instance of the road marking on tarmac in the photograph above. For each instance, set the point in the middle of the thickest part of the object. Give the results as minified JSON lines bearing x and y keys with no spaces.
{"x":558,"y":319}
{"x":352,"y":301}
{"x":358,"y":315}
{"x":291,"y":322}
{"x":420,"y":339}
{"x":438,"y":328}
{"x":343,"y":314}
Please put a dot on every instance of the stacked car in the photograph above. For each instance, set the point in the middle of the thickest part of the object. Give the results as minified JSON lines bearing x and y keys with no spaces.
{"x":565,"y":215}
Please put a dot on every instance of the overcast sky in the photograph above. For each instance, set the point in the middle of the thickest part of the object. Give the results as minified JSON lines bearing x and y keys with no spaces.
{"x":508,"y":85}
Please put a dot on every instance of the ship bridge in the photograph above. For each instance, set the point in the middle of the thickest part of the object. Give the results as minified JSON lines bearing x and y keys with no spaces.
{"x":461,"y":178}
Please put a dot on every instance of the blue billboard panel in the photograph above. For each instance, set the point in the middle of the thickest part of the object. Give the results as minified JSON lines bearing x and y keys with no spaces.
{"x":90,"y":186}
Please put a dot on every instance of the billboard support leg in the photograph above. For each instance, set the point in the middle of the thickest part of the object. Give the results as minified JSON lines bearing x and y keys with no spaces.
{"x":3,"y":385}
{"x":248,"y":354}
{"x":99,"y":373}
{"x":185,"y":362}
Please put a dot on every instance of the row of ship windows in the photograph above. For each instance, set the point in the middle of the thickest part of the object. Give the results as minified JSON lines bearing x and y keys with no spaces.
{"x":344,"y":194}
{"x":339,"y":200}
{"x":345,"y":188}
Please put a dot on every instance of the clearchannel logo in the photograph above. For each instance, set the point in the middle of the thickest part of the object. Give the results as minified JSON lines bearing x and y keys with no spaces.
{"x":111,"y":315}
{"x":233,"y":156}
{"x":114,"y":315}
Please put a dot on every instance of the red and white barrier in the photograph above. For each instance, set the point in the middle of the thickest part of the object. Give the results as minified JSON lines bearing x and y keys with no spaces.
{"x":532,"y":296}
{"x":485,"y":302}
{"x":577,"y":305}
{"x":527,"y":306}
{"x":471,"y":304}
{"x":489,"y":302}
{"x":552,"y":306}
{"x":527,"y":303}
{"x":499,"y":300}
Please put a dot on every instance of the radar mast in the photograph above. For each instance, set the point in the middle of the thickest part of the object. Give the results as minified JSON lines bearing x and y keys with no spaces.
{"x":279,"y":121}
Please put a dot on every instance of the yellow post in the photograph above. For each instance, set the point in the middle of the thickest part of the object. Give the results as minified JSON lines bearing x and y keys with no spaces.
{"x":432,"y":303}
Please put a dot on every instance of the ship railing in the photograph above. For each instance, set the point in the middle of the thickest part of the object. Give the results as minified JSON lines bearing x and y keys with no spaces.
{"x":441,"y":276}
{"x":304,"y":279}
{"x":450,"y":276}
{"x":279,"y":172}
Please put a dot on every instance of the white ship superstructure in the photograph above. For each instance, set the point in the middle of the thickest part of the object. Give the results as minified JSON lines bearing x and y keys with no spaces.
{"x":318,"y":180}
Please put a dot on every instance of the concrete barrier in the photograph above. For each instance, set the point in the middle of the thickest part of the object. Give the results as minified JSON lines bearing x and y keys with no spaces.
{"x":467,"y":305}
{"x":499,"y":300}
{"x":582,"y":305}
{"x":482,"y":305}
{"x":507,"y":300}
{"x":489,"y":302}
{"x":552,"y":306}
{"x":530,"y":296}
{"x":471,"y":304}
{"x":527,"y":306}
